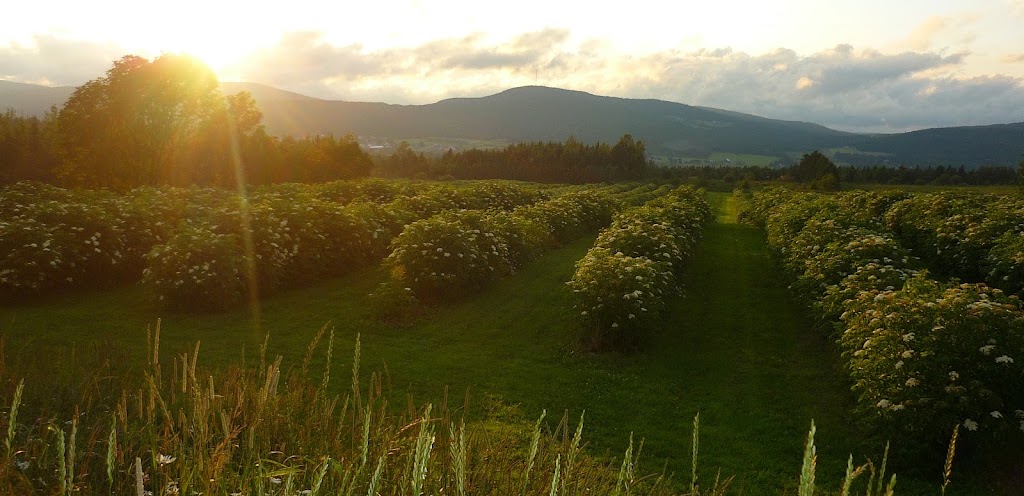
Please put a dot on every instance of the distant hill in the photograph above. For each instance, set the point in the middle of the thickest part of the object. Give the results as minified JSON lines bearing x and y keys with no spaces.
{"x":998,"y":144}
{"x":32,"y":99}
{"x":672,"y":131}
{"x":540,"y":113}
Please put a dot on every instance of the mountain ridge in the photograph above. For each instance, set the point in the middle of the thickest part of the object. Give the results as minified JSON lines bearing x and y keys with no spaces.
{"x":674,"y":132}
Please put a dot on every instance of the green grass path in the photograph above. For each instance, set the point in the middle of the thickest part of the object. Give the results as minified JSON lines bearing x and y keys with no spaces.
{"x":740,"y":350}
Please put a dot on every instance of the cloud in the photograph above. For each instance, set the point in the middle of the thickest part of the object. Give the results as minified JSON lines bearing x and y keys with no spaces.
{"x":55,"y":61}
{"x":306,"y":62}
{"x":1014,"y":58}
{"x":937,"y":30}
{"x":302,"y":58}
{"x":922,"y":35}
{"x":1016,"y":6}
{"x":845,"y":88}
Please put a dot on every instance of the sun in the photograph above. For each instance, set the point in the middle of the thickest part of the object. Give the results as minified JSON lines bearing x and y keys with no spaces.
{"x":225,"y":59}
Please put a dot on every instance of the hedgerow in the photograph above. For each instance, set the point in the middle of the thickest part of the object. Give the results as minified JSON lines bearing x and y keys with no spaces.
{"x":619,"y":287}
{"x":923,"y":355}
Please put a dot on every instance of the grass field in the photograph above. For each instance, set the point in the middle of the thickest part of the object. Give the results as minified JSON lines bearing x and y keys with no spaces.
{"x":736,"y":349}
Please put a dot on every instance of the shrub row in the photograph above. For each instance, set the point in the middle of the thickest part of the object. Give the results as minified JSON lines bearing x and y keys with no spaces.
{"x":975,"y":237}
{"x":923,"y":356}
{"x":55,"y":239}
{"x":619,"y":287}
{"x":275,"y":240}
{"x":455,"y":253}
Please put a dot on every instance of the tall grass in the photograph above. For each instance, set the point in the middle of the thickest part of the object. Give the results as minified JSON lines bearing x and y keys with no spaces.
{"x":180,"y":428}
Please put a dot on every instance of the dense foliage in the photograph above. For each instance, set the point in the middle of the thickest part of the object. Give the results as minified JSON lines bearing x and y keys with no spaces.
{"x":456,"y":253}
{"x":733,"y":176}
{"x":923,"y":355}
{"x":620,"y":286}
{"x":571,"y":161}
{"x":972,"y":236}
{"x":209,"y":248}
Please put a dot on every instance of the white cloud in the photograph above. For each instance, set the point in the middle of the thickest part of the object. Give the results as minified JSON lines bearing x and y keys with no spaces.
{"x":55,"y":61}
{"x":1016,"y":6}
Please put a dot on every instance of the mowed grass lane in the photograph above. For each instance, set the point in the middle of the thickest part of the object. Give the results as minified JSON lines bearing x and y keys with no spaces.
{"x":736,"y":349}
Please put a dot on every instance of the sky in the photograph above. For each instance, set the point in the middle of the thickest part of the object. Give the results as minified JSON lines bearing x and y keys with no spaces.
{"x":867,"y":65}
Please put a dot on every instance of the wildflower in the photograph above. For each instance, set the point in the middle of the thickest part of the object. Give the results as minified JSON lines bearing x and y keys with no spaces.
{"x":954,"y":376}
{"x":899,"y":364}
{"x":987,"y":349}
{"x":996,"y":414}
{"x":275,"y":480}
{"x":908,"y":337}
{"x":971,"y":425}
{"x":897,"y":408}
{"x":615,"y":324}
{"x":882,"y":403}
{"x":908,"y":354}
{"x":912,"y":382}
{"x":165,"y":459}
{"x":22,"y":465}
{"x":1004,"y":359}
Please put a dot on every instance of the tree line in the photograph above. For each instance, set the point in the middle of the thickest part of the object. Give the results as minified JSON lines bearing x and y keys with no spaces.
{"x":571,"y":161}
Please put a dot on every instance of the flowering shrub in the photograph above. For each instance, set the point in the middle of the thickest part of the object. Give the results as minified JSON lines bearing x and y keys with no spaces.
{"x":654,"y":240}
{"x":928,"y":356}
{"x":198,"y":269}
{"x":572,"y":215}
{"x":459,"y":252}
{"x":923,"y":356}
{"x":1004,"y":264}
{"x":619,"y":286}
{"x":955,"y":231}
{"x":619,"y":298}
{"x":525,"y":238}
{"x":872,"y":276}
{"x":853,"y":249}
{"x":52,"y":244}
{"x":447,"y":255}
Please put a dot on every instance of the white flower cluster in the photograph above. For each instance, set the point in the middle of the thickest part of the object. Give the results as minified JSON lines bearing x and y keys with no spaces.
{"x":910,"y":342}
{"x":623,"y":280}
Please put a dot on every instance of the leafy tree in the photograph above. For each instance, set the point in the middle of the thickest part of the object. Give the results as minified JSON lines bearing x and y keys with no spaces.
{"x":817,"y":170}
{"x":1020,"y":175}
{"x":147,"y":122}
{"x":28,"y":150}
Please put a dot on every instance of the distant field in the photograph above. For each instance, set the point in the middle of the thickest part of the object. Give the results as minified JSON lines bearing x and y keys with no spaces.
{"x":443,"y":144}
{"x":739,"y":160}
{"x":718,"y":159}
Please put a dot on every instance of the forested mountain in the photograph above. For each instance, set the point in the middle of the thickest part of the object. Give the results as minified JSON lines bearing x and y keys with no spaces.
{"x":32,"y":99}
{"x":673,"y":131}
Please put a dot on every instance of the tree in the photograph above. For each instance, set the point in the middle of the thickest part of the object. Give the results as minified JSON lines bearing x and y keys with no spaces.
{"x":1020,"y":175}
{"x":146,"y":123}
{"x":817,"y":170}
